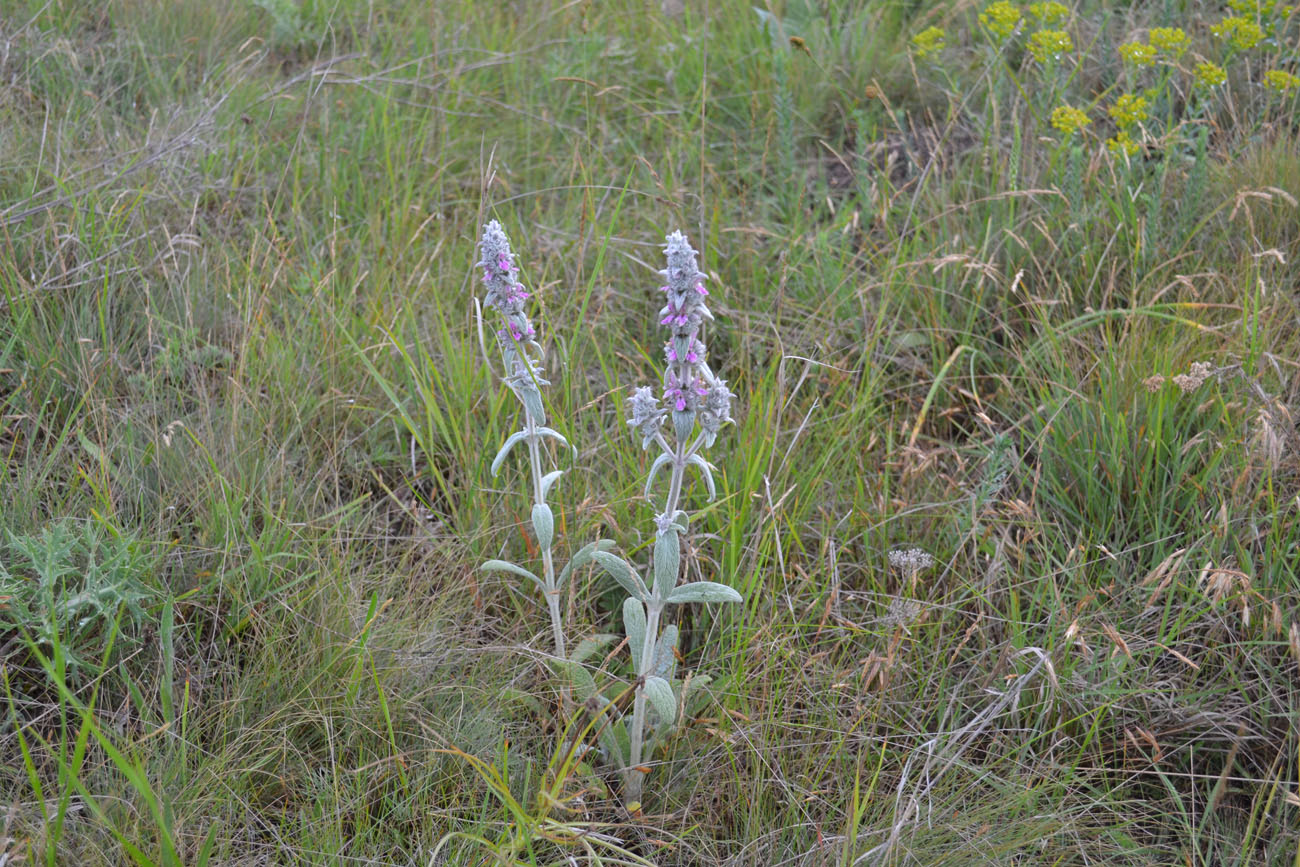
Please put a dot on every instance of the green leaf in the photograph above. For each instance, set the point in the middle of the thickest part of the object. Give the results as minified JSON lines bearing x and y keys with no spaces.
{"x":582,"y":558}
{"x":661,"y":698}
{"x":615,"y":742}
{"x":584,"y":687}
{"x":704,"y":591}
{"x":588,"y":647}
{"x":634,"y":623}
{"x":621,"y":572}
{"x":503,"y":566}
{"x":544,"y":525}
{"x":668,"y":559}
{"x":511,"y":441}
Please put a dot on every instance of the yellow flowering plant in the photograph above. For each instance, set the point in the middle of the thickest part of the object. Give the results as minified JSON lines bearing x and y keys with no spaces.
{"x":1129,"y":110}
{"x":1207,"y":75}
{"x":1049,"y":46}
{"x":1240,"y":33}
{"x":1137,"y":54}
{"x":1280,"y":80}
{"x":1069,"y":120}
{"x":1123,"y":144}
{"x":1170,"y":41}
{"x":1049,"y":13}
{"x":1001,"y":19}
{"x":928,"y":42}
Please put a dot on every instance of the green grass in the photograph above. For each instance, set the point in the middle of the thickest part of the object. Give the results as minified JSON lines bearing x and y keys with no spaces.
{"x":247,"y":427}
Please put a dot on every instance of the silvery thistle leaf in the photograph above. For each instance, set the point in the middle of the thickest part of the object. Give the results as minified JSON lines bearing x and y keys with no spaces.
{"x":634,"y":623}
{"x":531,"y":398}
{"x":707,"y":472}
{"x":511,"y":442}
{"x":665,"y":653}
{"x":547,"y":432}
{"x":621,"y":572}
{"x":543,"y":524}
{"x":667,"y":561}
{"x":660,"y":462}
{"x":504,"y":566}
{"x":704,"y":591}
{"x":583,"y":557}
{"x":661,"y":698}
{"x":549,"y":479}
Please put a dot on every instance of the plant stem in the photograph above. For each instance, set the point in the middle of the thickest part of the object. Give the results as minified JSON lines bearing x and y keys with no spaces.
{"x":548,"y":564}
{"x":654,"y":607}
{"x":635,"y":777}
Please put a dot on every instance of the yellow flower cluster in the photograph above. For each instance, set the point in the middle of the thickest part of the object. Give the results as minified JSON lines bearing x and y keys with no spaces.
{"x":929,"y":41}
{"x":1209,"y":74}
{"x":1170,"y":40}
{"x":1253,"y":8}
{"x":1048,"y":46}
{"x":1128,"y":110}
{"x":1049,"y":13}
{"x":1240,"y":33}
{"x":1137,"y":54}
{"x":1280,"y":80}
{"x":1001,"y":19}
{"x":1069,"y":120}
{"x":1123,"y":143}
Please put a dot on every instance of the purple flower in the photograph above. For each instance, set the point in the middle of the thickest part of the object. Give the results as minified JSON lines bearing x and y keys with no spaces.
{"x":504,"y":292}
{"x":683,"y":393}
{"x":694,"y":353}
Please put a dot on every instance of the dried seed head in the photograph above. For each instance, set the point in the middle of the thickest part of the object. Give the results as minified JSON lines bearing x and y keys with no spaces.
{"x":902,"y":612}
{"x":1195,"y":377}
{"x":912,"y":560}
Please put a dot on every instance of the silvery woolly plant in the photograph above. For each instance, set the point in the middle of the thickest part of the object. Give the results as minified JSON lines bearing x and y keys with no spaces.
{"x":522,"y":358}
{"x":698,"y":405}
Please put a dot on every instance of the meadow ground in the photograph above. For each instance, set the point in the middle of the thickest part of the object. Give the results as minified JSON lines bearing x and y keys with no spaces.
{"x":247,"y":427}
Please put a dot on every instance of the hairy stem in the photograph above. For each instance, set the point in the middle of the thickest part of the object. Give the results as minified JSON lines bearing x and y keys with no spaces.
{"x":635,"y":776}
{"x":654,"y":606}
{"x":548,"y":564}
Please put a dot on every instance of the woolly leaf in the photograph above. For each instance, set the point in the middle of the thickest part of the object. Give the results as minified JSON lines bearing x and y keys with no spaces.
{"x":511,"y":441}
{"x":707,"y":472}
{"x":704,"y":591}
{"x":549,"y":479}
{"x":503,"y":566}
{"x":556,"y":435}
{"x":661,"y":698}
{"x":621,"y":572}
{"x":667,"y":562}
{"x":665,"y":657}
{"x":654,"y":471}
{"x":634,"y":623}
{"x":531,"y":398}
{"x":543,"y":525}
{"x":582,"y":558}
